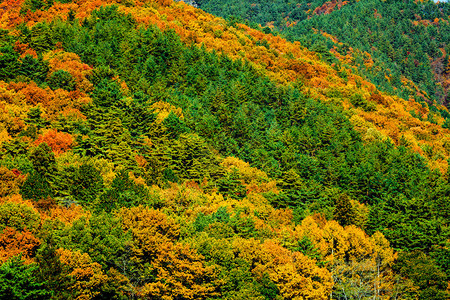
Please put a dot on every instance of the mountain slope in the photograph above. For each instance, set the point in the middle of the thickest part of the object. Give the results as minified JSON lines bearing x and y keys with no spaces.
{"x":389,"y":42}
{"x":404,"y":122}
{"x":123,"y":148}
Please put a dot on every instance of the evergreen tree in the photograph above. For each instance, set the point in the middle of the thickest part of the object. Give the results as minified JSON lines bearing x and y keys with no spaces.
{"x":50,"y":269}
{"x":343,"y":211}
{"x":18,"y":281}
{"x":61,"y":79}
{"x":39,"y":184}
{"x":43,"y":160}
{"x":87,"y":184}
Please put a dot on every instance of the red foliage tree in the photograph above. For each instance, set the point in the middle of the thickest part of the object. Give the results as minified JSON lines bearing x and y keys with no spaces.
{"x":13,"y":242}
{"x":59,"y":141}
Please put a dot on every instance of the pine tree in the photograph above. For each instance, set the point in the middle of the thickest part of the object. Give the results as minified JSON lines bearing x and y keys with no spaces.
{"x":18,"y":282}
{"x":43,"y":160}
{"x":39,"y":184}
{"x":9,"y":64}
{"x":87,"y":184}
{"x":343,"y":211}
{"x":51,"y":270}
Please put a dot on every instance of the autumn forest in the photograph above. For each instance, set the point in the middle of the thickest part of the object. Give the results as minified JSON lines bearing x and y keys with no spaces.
{"x":224,"y":149}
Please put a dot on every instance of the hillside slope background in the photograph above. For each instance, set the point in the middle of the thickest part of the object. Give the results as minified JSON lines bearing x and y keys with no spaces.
{"x":150,"y":150}
{"x":401,"y":46}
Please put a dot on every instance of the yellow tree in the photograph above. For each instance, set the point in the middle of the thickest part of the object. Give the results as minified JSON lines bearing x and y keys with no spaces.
{"x":296,"y":275}
{"x":168,"y":269}
{"x":88,"y":276}
{"x":302,"y":279}
{"x":361,"y":265}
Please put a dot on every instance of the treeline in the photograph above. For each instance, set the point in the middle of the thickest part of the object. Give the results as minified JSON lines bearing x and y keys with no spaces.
{"x":123,"y":176}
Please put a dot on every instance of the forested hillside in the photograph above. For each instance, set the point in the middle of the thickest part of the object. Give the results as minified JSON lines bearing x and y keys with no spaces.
{"x":150,"y":150}
{"x":401,"y":46}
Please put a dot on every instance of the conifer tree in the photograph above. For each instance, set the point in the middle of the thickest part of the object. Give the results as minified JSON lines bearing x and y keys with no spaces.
{"x":87,"y":184}
{"x":18,"y":282}
{"x":343,"y":211}
{"x":39,"y":184}
{"x":50,"y":269}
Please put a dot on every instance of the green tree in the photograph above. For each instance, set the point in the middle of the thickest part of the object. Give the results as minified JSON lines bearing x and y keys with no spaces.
{"x":43,"y":160}
{"x":231,"y":185}
{"x":19,"y":216}
{"x":124,"y":192}
{"x":9,"y":64}
{"x":36,"y":187}
{"x":343,"y":211}
{"x":39,"y":184}
{"x":34,"y":68}
{"x":61,"y":79}
{"x":18,"y":281}
{"x":426,"y":275}
{"x":87,"y":184}
{"x":100,"y":236}
{"x":35,"y":119}
{"x":50,"y":269}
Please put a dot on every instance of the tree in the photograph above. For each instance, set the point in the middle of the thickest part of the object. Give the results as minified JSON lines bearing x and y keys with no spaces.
{"x":100,"y":236}
{"x":343,"y":211}
{"x":169,"y":269}
{"x":39,"y":184}
{"x":9,"y":64}
{"x":175,"y":126}
{"x":51,"y":270}
{"x":10,"y":181}
{"x":19,"y":216}
{"x":106,"y":93}
{"x":180,"y":274}
{"x":35,"y":119}
{"x":61,"y":79}
{"x":87,"y":184}
{"x":13,"y":243}
{"x":425,"y":274}
{"x":89,"y":280}
{"x":302,"y":279}
{"x":36,"y":187}
{"x":18,"y":281}
{"x":34,"y":68}
{"x":124,"y":192}
{"x":232,"y":186}
{"x":58,"y":141}
{"x":43,"y":160}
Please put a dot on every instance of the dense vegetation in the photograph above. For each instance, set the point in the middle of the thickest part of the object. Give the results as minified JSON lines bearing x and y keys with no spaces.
{"x":403,"y":39}
{"x":401,"y":46}
{"x":152,"y":151}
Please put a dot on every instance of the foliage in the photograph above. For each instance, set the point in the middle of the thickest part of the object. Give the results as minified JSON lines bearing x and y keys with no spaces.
{"x":19,"y":216}
{"x":61,"y":79}
{"x":18,"y":281}
{"x":171,"y":154}
{"x":432,"y":282}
